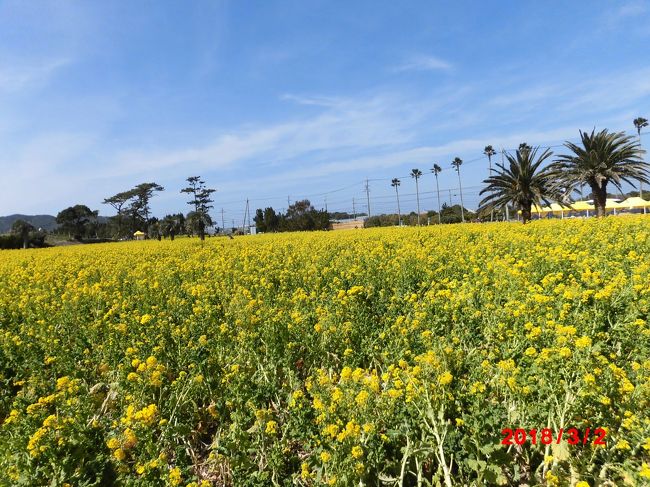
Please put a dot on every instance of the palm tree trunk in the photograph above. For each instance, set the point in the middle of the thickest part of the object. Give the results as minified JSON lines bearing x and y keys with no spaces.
{"x":490,"y":175}
{"x":438,"y":190}
{"x":460,"y":187}
{"x":641,"y":182}
{"x":417,"y":197}
{"x":526,"y":213}
{"x":399,"y":212}
{"x":600,"y":200}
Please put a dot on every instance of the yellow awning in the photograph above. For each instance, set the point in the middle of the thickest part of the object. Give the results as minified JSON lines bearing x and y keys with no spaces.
{"x":138,"y":233}
{"x":634,"y":202}
{"x":540,"y":209}
{"x":557,"y":208}
{"x":613,"y":204}
{"x":582,"y":206}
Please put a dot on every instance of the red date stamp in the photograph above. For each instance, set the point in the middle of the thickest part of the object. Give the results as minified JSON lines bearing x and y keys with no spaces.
{"x":546,"y":436}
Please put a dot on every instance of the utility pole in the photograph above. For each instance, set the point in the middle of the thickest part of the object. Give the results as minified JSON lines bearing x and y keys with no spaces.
{"x":326,"y":205}
{"x":223,"y":224}
{"x":288,"y":202}
{"x":368,"y":197}
{"x":249,"y":216}
{"x":354,"y":210}
{"x":243,"y":225}
{"x":450,"y":202}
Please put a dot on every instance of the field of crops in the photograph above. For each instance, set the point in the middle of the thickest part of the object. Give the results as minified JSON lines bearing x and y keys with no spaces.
{"x":389,"y":356}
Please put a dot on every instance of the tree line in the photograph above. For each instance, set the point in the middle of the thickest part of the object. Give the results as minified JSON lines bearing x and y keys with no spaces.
{"x":133,"y":214}
{"x":531,"y":177}
{"x":300,"y":216}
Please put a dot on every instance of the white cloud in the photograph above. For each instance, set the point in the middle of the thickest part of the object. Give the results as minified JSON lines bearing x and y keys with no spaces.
{"x":18,"y":77}
{"x":424,"y":63}
{"x":343,"y":124}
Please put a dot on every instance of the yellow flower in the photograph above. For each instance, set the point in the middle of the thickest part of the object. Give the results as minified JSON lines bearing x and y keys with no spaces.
{"x":304,"y":470}
{"x":622,"y":445}
{"x":325,"y":457}
{"x":357,"y":451}
{"x":645,"y":470}
{"x":119,"y":454}
{"x":332,"y":430}
{"x":62,"y":383}
{"x":362,"y":398}
{"x":271,"y":427}
{"x":113,"y":443}
{"x":13,"y":416}
{"x":445,"y":378}
{"x":583,"y":342}
{"x":147,"y":414}
{"x":175,"y":476}
{"x":145,"y":319}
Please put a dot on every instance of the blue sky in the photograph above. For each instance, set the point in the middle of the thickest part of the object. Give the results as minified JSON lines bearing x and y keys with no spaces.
{"x":301,"y":99}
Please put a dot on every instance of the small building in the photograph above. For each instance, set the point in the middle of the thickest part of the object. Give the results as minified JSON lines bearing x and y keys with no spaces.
{"x":138,"y":235}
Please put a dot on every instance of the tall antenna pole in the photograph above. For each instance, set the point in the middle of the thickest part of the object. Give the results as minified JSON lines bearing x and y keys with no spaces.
{"x":326,"y":205}
{"x":354,"y":210}
{"x":249,"y":215}
{"x":288,"y":202}
{"x":223,"y":224}
{"x":368,"y":196}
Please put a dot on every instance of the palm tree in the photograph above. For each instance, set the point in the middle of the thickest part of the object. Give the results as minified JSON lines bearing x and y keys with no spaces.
{"x":603,"y":158}
{"x":395,"y":184}
{"x":525,"y":147}
{"x":640,"y":123}
{"x":457,"y":163}
{"x":436,"y":169}
{"x":489,"y":152}
{"x":417,"y":174}
{"x":521,"y":183}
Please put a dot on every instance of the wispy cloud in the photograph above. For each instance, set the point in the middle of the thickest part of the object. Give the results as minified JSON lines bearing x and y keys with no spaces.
{"x":629,"y":13}
{"x":630,"y":9}
{"x":322,"y":101}
{"x":342,"y":124}
{"x":424,"y":63}
{"x":17,"y":77}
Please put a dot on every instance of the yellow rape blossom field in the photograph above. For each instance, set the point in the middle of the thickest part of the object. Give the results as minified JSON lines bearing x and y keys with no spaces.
{"x":370,"y":357}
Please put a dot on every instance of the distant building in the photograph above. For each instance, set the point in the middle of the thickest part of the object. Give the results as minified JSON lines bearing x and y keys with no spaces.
{"x":138,"y":235}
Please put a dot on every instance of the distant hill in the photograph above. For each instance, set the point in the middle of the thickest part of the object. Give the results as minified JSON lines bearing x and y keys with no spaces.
{"x":46,"y":222}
